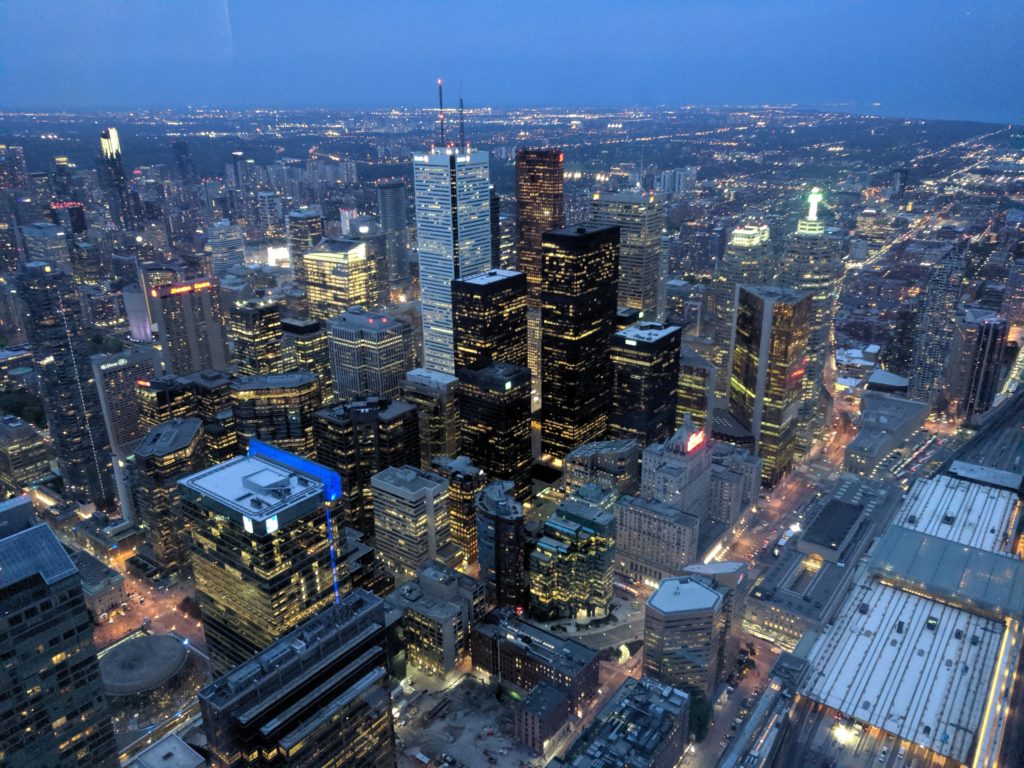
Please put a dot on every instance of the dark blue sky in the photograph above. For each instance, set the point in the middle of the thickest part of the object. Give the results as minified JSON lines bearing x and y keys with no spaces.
{"x":922,"y":58}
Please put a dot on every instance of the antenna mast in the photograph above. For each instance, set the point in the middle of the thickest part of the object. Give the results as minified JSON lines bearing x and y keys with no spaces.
{"x":462,"y":127}
{"x":440,"y":108}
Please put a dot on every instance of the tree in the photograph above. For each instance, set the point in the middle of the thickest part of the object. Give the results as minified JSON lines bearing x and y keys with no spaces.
{"x":700,"y":716}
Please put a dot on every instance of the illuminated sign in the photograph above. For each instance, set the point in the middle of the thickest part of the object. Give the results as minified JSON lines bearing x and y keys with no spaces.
{"x":695,"y":441}
{"x":508,"y":385}
{"x":115,"y":364}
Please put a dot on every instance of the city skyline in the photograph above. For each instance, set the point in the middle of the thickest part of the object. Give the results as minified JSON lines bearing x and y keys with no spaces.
{"x":837,"y":56}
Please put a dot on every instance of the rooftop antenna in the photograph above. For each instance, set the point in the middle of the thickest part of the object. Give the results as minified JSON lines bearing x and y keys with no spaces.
{"x":462,"y":127}
{"x":440,"y":107}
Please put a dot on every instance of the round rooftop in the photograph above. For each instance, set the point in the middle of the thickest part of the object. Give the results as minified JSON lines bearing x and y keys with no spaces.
{"x":142,"y":664}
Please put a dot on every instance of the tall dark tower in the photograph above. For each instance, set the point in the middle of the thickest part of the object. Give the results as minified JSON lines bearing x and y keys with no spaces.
{"x":579,"y":299}
{"x":70,"y":399}
{"x":489,"y":319}
{"x":392,"y":206}
{"x":123,"y":208}
{"x":305,"y":231}
{"x":645,"y":382}
{"x":540,"y":206}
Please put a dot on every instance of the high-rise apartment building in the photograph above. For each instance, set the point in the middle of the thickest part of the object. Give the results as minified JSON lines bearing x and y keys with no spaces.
{"x":392,"y":206}
{"x":501,"y":544}
{"x":574,"y":560}
{"x":748,"y":260}
{"x":465,"y":481}
{"x":70,"y":399}
{"x":935,"y":326}
{"x":977,"y":361}
{"x":264,"y":545}
{"x":319,"y":695}
{"x":53,"y":713}
{"x":305,"y":231}
{"x":340,"y":274}
{"x":255,"y":331}
{"x":436,"y":397}
{"x":645,"y":382}
{"x":116,"y":376}
{"x":767,"y":363}
{"x":640,"y":217}
{"x":276,"y":408}
{"x":453,"y":231}
{"x":191,"y":325}
{"x":357,"y":440}
{"x":494,"y":408}
{"x":809,"y":265}
{"x":683,"y":623}
{"x":580,"y":270}
{"x":411,"y":519}
{"x":489,"y":319}
{"x":225,"y":248}
{"x":370,"y":353}
{"x":167,"y":453}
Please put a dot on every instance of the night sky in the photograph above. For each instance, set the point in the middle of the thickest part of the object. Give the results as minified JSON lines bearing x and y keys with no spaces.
{"x":920,"y":58}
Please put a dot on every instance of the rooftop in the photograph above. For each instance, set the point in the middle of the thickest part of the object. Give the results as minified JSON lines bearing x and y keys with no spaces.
{"x":274,"y":380}
{"x":431,"y":378}
{"x":567,"y":656}
{"x":33,"y":551}
{"x":965,"y":512}
{"x":254,"y":488}
{"x":168,"y":752}
{"x":647,"y":332}
{"x":908,"y":665}
{"x":490,"y":277}
{"x":684,"y":593}
{"x":997,"y":478}
{"x":171,"y":436}
{"x":409,"y":481}
{"x":141,"y":664}
{"x":833,"y":524}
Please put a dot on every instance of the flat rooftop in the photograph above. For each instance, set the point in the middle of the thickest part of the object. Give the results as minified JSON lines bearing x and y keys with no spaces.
{"x":684,"y":593}
{"x":490,"y":277}
{"x":833,"y":524}
{"x":429,"y":377}
{"x":171,"y":436}
{"x":908,"y":665}
{"x":560,"y":653}
{"x":647,"y":332}
{"x":961,"y":511}
{"x":254,"y":487}
{"x":168,"y":752}
{"x":998,"y":478}
{"x":33,"y":551}
{"x":409,"y":481}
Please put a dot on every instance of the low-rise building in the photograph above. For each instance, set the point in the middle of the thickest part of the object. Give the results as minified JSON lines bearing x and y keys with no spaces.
{"x":521,"y":655}
{"x":646,"y":723}
{"x":439,"y":607}
{"x":102,"y":586}
{"x":540,"y":716}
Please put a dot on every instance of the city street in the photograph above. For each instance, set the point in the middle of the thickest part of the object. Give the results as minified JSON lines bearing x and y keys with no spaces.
{"x":158,"y":604}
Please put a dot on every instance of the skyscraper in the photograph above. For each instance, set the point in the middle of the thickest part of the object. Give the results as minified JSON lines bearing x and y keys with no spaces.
{"x":645,"y":381}
{"x":264,"y":546}
{"x":489,"y":319}
{"x":53,"y":713}
{"x":640,"y":217}
{"x":341,"y":274}
{"x":318,"y":696}
{"x":501,"y":544}
{"x":767,"y":363}
{"x":935,"y":327}
{"x":977,"y":357}
{"x":580,"y":269}
{"x":304,"y":347}
{"x":436,"y":397}
{"x":276,"y":408}
{"x":24,"y":456}
{"x":370,"y":352}
{"x":357,"y":440}
{"x":677,"y":472}
{"x":747,"y":260}
{"x":411,"y":519}
{"x":392,"y":205}
{"x":696,"y":391}
{"x":70,"y":399}
{"x":305,"y":231}
{"x":465,"y":481}
{"x":255,"y":331}
{"x":225,"y":247}
{"x":167,"y":453}
{"x":116,"y":376}
{"x":453,"y":231}
{"x":191,"y":326}
{"x":494,"y":407}
{"x":809,"y":265}
{"x":110,"y":167}
{"x":540,"y":207}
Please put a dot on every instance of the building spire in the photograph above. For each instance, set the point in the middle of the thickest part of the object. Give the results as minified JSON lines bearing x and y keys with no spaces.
{"x":440,"y":107}
{"x":462,"y":127}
